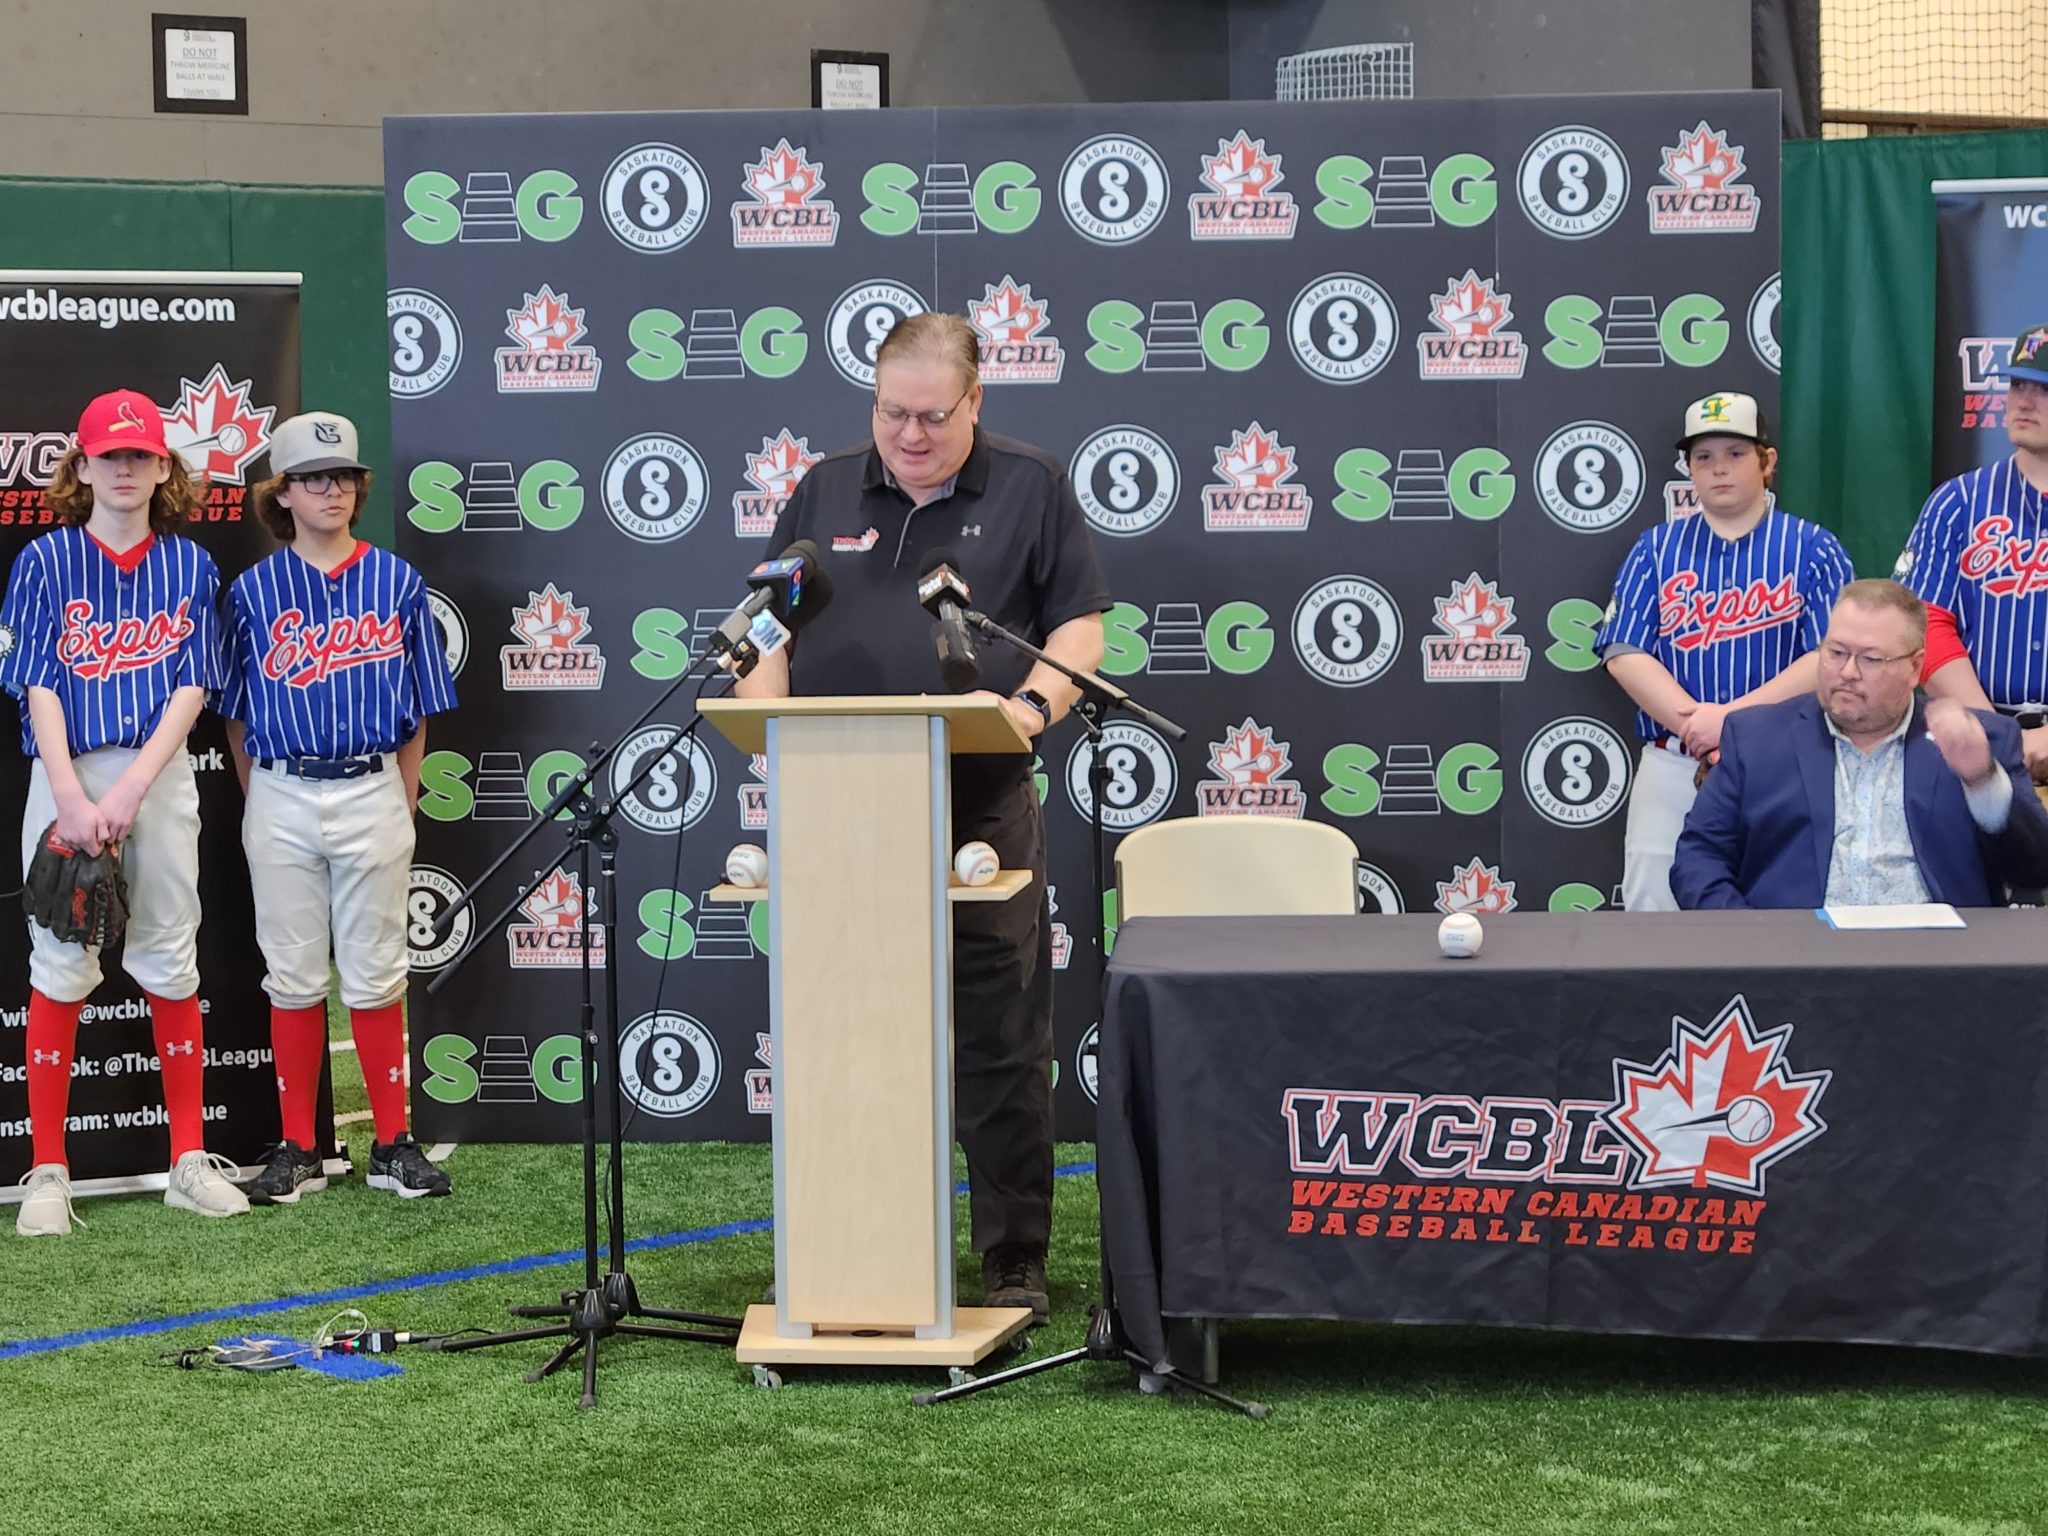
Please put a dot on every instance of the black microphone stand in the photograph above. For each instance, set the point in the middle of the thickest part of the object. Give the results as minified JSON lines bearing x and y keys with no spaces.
{"x":606,"y":1303}
{"x":1105,"y":1339}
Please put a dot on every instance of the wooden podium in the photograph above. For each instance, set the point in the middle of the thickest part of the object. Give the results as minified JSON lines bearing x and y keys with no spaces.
{"x":860,"y":999}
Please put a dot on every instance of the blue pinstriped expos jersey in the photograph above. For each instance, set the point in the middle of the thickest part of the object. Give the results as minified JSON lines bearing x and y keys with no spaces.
{"x":1725,"y":616}
{"x":112,"y":636}
{"x":1980,"y":550}
{"x":332,"y":664}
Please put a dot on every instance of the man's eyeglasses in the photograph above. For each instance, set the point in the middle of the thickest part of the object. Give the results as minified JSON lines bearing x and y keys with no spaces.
{"x":896,"y":416}
{"x":1837,"y":658}
{"x":321,"y":481}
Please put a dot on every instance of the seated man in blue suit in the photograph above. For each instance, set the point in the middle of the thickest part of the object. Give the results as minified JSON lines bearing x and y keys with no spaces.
{"x":1863,"y":795}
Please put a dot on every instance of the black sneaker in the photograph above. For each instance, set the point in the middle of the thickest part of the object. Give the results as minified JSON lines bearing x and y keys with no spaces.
{"x":401,"y":1167}
{"x":1013,"y":1275}
{"x":292,"y":1171}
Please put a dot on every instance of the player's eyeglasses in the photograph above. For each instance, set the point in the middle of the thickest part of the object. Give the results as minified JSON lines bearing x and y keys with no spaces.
{"x":321,"y":481}
{"x":896,"y":416}
{"x":1837,"y":658}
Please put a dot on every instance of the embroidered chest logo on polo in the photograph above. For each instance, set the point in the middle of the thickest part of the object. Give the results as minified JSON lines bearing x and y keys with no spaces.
{"x":855,"y":544}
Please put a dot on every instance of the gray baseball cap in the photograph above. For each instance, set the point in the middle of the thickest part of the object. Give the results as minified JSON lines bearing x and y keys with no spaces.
{"x":315,"y":441}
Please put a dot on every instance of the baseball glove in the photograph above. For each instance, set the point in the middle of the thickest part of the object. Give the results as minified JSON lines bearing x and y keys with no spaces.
{"x":80,"y":897}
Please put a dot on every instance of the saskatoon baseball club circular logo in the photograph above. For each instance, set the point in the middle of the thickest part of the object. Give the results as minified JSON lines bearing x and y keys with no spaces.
{"x":426,"y":343}
{"x":655,"y":487}
{"x":1576,"y":771}
{"x":655,"y":198}
{"x":864,"y":315}
{"x":673,"y":795}
{"x":1126,"y":480}
{"x":1573,"y":182}
{"x":454,"y":630}
{"x":1347,"y":631}
{"x":1114,"y":189}
{"x":429,"y":893}
{"x":1377,"y":891}
{"x":1589,"y":476}
{"x":1343,"y":328}
{"x":1763,"y":323}
{"x":668,"y":1064}
{"x":1084,"y":1062}
{"x":6,"y":640}
{"x":1139,"y":777}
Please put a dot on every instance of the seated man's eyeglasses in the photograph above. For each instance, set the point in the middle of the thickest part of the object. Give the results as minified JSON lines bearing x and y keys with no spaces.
{"x":896,"y":416}
{"x":321,"y":481}
{"x":1837,"y":657}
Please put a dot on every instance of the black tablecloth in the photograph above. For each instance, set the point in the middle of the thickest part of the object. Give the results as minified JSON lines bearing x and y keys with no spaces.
{"x":1723,"y":1124}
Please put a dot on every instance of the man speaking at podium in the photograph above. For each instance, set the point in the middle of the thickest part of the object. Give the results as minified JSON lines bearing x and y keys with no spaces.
{"x":933,"y":483}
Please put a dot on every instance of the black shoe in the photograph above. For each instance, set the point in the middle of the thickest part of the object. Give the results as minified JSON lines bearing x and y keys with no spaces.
{"x":292,"y":1171}
{"x":401,"y":1167}
{"x":1013,"y":1275}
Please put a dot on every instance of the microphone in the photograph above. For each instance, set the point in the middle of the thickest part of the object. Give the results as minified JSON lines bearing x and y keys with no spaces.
{"x":943,"y":594}
{"x":787,"y":593}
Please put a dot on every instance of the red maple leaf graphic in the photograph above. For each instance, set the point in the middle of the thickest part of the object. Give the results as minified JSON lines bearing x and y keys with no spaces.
{"x":1476,"y":888}
{"x":545,"y":323}
{"x":1703,"y":160}
{"x":1249,"y":755}
{"x":782,"y":462}
{"x":1242,"y":168}
{"x":551,"y":621}
{"x":557,"y":902}
{"x":1474,"y":610}
{"x":1255,"y":460}
{"x":1007,"y":313}
{"x":215,"y":429}
{"x":784,"y":178}
{"x":1470,"y":307}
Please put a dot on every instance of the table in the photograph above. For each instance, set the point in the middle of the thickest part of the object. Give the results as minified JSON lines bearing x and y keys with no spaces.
{"x":1704,"y":1125}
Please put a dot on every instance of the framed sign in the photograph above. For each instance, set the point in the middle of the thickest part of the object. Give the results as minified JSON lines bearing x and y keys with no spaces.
{"x":200,"y":63}
{"x":840,"y":78}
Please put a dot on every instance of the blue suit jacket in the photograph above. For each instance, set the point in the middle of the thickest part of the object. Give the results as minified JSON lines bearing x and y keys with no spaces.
{"x":1762,"y":832}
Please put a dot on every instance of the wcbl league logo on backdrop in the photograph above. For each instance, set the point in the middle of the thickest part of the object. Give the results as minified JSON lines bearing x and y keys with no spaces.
{"x":553,"y":933}
{"x":1575,"y":772}
{"x":548,"y":655}
{"x":1474,"y":646}
{"x":1251,"y":763}
{"x":215,"y":429}
{"x":655,"y":487}
{"x":1476,"y":887}
{"x":426,"y":342}
{"x":1254,"y":468}
{"x":1126,"y":479}
{"x":655,"y":199}
{"x":774,"y":471}
{"x":786,"y":209}
{"x":1589,"y":476}
{"x":668,"y":1064}
{"x":861,"y":320}
{"x":1241,"y":203}
{"x":1573,"y":182}
{"x":1347,"y":631}
{"x":1702,"y":199}
{"x":1139,"y":775}
{"x":546,"y":328}
{"x":1343,"y":328}
{"x":1473,"y":341}
{"x":1016,"y":348}
{"x":677,"y":786}
{"x":1114,"y":189}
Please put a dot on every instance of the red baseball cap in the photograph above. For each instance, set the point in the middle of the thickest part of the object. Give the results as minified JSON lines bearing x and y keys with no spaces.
{"x":123,"y":419}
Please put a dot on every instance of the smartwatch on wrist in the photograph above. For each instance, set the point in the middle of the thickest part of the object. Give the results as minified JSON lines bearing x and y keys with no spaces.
{"x":1037,"y":701}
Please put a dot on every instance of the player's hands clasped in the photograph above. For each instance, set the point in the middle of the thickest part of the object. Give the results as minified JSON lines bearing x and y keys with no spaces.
{"x":81,"y":824}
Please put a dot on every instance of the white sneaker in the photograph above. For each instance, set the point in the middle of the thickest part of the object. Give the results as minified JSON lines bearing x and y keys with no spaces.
{"x":46,"y":1207}
{"x":198,"y":1184}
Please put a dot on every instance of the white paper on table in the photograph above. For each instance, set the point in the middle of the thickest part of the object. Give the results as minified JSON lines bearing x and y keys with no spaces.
{"x":1922,"y":914}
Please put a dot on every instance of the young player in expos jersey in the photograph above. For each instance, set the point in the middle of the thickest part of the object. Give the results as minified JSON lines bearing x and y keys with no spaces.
{"x":110,"y":639}
{"x":334,"y":663}
{"x":1978,"y":557}
{"x":1715,"y":611}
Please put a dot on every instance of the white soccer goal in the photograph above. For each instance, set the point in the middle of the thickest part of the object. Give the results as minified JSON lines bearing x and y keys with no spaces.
{"x":1355,"y":72}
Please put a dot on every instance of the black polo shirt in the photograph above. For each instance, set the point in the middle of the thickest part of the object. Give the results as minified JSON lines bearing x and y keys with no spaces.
{"x":1022,"y":544}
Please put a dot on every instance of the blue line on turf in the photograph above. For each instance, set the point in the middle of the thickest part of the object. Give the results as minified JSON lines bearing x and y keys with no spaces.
{"x":342,"y":1295}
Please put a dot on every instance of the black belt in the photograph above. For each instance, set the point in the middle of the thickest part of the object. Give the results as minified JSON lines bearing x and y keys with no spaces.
{"x":2027,"y":716}
{"x":324,"y":768}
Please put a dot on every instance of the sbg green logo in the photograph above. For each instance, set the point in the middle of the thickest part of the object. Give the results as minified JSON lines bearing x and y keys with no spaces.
{"x":1480,"y":484}
{"x":1004,"y":199}
{"x":771,"y":344}
{"x":1460,"y":192}
{"x":667,"y":931}
{"x":1173,"y":336}
{"x":1236,"y":639}
{"x":545,"y":496}
{"x":486,"y":207}
{"x":499,"y":786}
{"x":1632,"y":331}
{"x":1574,"y":624}
{"x":457,"y":1072}
{"x":1411,"y":780}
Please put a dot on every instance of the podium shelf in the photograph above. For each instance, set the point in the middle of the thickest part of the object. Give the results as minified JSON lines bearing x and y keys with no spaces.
{"x":1006,"y":884}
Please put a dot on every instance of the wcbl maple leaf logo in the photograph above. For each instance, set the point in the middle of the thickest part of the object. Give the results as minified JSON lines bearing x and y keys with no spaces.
{"x":784,"y":177}
{"x":545,"y":323}
{"x":1255,"y":460}
{"x":1475,"y":610}
{"x":1249,"y":754}
{"x":781,"y":463}
{"x":1476,"y":888}
{"x":1242,"y":168}
{"x":557,"y":902}
{"x":551,"y":621}
{"x":1703,"y":160}
{"x":1007,"y":313}
{"x":215,"y":429}
{"x":1470,"y":307}
{"x":1719,"y":1107}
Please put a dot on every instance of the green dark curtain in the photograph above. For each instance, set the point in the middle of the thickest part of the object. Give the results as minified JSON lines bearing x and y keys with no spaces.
{"x":333,"y":235}
{"x":1858,"y":325}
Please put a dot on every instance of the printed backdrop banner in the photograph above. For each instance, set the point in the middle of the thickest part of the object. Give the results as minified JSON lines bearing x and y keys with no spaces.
{"x":1990,"y":283}
{"x":219,"y":353}
{"x":1365,"y":402}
